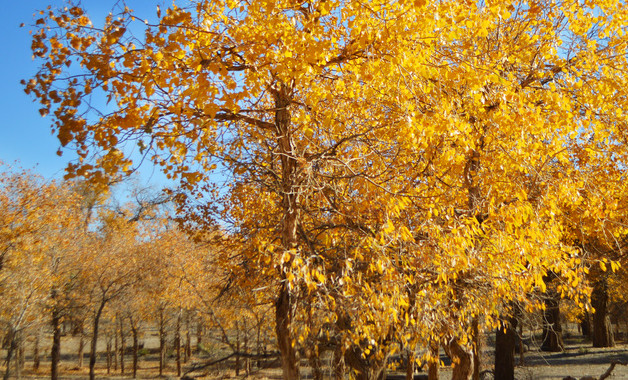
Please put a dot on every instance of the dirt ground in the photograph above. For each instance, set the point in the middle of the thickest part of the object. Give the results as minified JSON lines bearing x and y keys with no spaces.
{"x":578,"y":359}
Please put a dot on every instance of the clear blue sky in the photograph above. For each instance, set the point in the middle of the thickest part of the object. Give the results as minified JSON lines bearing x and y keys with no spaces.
{"x":25,"y":136}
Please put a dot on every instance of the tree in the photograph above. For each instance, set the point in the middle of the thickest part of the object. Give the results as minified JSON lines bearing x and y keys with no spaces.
{"x":381,"y":158}
{"x":40,"y":237}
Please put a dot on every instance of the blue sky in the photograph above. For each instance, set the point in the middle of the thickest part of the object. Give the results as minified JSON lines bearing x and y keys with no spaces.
{"x":25,"y":136}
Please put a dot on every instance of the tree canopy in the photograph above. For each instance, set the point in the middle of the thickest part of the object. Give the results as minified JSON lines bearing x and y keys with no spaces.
{"x":397,"y":169}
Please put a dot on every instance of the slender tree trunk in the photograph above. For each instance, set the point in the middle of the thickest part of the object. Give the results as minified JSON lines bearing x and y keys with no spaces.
{"x":20,"y":357}
{"x":199,"y":335}
{"x":259,"y":344}
{"x":247,"y":359}
{"x":237,"y":356}
{"x":552,"y":329}
{"x":116,"y":350}
{"x":10,"y":351}
{"x":136,"y":345}
{"x":81,"y":348}
{"x":434,"y":363}
{"x":55,"y":352}
{"x":602,"y":327}
{"x":36,"y":358}
{"x":505,"y":341}
{"x":462,"y":359}
{"x":177,"y":343}
{"x":162,"y":343}
{"x":122,"y":344}
{"x":108,"y":355}
{"x":188,"y":340}
{"x":93,"y":352}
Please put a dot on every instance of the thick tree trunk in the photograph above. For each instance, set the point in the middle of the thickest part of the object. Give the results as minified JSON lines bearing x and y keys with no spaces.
{"x":552,"y":329}
{"x":602,"y":327}
{"x":433,"y":366}
{"x":505,"y":342}
{"x":366,"y":369}
{"x":284,"y":304}
{"x":92,"y":351}
{"x":410,"y":363}
{"x":55,"y":352}
{"x":462,"y":359}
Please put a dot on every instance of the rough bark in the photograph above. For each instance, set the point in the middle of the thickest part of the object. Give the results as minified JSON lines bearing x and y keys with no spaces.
{"x":602,"y":327}
{"x":505,"y":342}
{"x":462,"y":359}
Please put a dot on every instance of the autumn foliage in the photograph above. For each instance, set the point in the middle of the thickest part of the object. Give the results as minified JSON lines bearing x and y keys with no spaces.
{"x":395,"y":172}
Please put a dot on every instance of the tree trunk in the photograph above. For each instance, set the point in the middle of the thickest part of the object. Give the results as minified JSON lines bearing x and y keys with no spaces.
{"x":108,"y":355}
{"x":81,"y":349}
{"x":477,"y":348}
{"x":12,"y":335}
{"x":505,"y":342}
{"x":585,"y":325}
{"x":410,"y":364}
{"x":462,"y":359}
{"x":55,"y":352}
{"x":199,"y":335}
{"x":36,"y":358}
{"x":93,"y":352}
{"x":177,"y":343}
{"x":188,"y":339}
{"x":434,"y":363}
{"x":552,"y":329}
{"x":602,"y":327}
{"x":162,"y":343}
{"x":136,"y":347}
{"x":237,"y":356}
{"x":122,"y":345}
{"x":339,"y":365}
{"x":284,"y":304}
{"x":116,"y":350}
